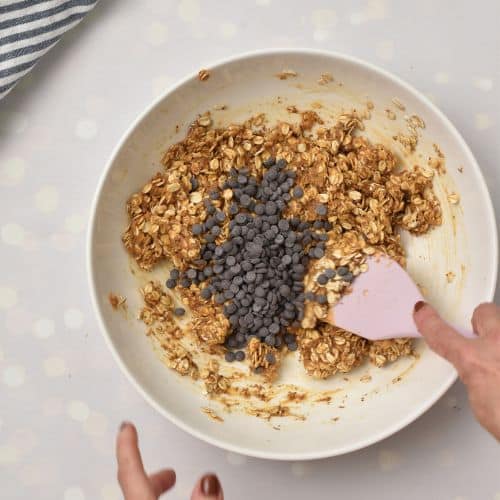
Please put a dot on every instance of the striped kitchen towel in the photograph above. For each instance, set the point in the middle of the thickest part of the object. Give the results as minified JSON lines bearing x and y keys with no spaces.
{"x":29,"y":29}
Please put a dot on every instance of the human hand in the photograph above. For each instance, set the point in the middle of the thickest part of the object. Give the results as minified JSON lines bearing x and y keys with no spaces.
{"x":137,"y":485}
{"x":477,"y":361}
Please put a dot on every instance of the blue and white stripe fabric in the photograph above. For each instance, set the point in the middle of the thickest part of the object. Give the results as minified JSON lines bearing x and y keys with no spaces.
{"x":30,"y":28}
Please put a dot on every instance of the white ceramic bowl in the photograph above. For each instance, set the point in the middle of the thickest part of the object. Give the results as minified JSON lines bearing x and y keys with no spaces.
{"x":466,"y":244}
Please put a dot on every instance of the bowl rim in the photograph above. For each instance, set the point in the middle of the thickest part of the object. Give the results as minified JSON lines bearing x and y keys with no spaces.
{"x":220,"y":443}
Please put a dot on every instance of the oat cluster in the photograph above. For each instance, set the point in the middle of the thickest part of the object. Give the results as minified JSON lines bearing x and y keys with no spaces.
{"x":368,"y":198}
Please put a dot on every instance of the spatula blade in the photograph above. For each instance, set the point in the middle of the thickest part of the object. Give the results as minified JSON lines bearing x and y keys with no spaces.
{"x":381,"y":303}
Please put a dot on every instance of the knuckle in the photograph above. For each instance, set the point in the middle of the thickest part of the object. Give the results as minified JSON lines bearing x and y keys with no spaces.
{"x":445,"y":350}
{"x":483,"y":308}
{"x":468,"y":358}
{"x":469,"y":365}
{"x":481,"y":413}
{"x":485,"y":311}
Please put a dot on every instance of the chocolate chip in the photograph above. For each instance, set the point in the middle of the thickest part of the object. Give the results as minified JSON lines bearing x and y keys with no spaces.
{"x":317,"y":252}
{"x":342,"y":270}
{"x":321,"y":210}
{"x":330,"y":273}
{"x":197,"y":229}
{"x":269,"y":162}
{"x":270,"y":358}
{"x":321,"y":299}
{"x":245,"y":200}
{"x":322,"y":279}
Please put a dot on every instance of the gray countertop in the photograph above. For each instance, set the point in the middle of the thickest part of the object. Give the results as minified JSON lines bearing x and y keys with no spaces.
{"x":61,"y":394}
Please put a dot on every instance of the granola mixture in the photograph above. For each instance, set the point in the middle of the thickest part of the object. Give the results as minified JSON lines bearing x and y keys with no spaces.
{"x":367,"y":197}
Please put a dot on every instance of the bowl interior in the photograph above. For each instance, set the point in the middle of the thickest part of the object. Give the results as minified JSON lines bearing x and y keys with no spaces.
{"x":360,"y":413}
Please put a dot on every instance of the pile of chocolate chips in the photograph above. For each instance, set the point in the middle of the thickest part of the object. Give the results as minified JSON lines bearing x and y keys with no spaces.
{"x":257,"y":274}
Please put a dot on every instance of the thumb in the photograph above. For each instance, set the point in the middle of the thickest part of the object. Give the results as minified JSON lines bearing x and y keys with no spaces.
{"x":208,"y":488}
{"x":440,"y":336}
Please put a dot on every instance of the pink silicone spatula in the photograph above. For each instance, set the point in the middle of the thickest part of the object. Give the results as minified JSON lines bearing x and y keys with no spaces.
{"x":381,"y":303}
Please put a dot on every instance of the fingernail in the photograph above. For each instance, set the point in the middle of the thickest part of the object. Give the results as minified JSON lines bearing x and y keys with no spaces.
{"x":210,"y":485}
{"x":418,"y":306}
{"x":124,"y":424}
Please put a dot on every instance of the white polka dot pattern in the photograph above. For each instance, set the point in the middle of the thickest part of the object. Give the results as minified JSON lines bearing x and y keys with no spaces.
{"x":111,"y":491}
{"x":74,"y":493}
{"x":8,"y":455}
{"x":300,"y":469}
{"x":446,"y":458}
{"x":156,"y":34}
{"x":385,"y":50}
{"x":484,"y":84}
{"x":73,"y":318}
{"x":389,"y":460}
{"x":47,"y":199}
{"x":43,"y":328}
{"x":96,"y":424}
{"x":78,"y":410}
{"x":374,"y":10}
{"x":14,"y":375}
{"x":75,"y":223}
{"x":324,"y":21}
{"x":8,"y":297}
{"x":12,"y":234}
{"x":228,"y":30}
{"x":54,"y":366}
{"x":86,"y":129}
{"x":441,"y":77}
{"x":189,"y":10}
{"x":483,"y":121}
{"x":12,"y":171}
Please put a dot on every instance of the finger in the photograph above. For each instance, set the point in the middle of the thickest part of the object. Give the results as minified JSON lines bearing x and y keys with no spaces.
{"x":131,"y":475}
{"x":440,"y":336}
{"x":208,"y":488}
{"x":486,"y":319}
{"x":162,"y":481}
